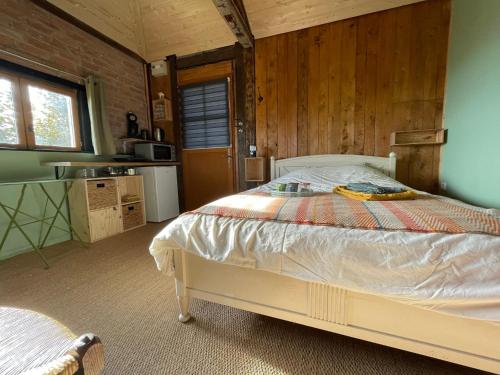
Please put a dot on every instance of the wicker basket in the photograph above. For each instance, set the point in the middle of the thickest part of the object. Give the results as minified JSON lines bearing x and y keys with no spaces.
{"x":133,"y":215}
{"x":102,"y":194}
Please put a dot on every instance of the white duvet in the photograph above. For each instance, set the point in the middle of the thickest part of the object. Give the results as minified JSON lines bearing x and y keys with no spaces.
{"x":453,"y":273}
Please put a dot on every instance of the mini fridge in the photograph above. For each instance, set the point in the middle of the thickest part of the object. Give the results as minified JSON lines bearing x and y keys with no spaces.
{"x":160,"y":193}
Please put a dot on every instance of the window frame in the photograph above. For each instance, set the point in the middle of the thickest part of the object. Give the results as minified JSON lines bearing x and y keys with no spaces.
{"x":24,"y":115}
{"x":28,"y":115}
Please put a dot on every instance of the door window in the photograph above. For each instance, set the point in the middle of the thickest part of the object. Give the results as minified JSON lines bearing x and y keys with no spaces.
{"x":205,"y":115}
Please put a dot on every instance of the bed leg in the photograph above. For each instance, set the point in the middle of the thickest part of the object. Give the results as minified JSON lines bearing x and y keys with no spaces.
{"x":183,"y":302}
{"x":180,"y":286}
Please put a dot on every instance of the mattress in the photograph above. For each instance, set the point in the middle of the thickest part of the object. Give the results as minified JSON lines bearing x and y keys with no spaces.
{"x":456,"y":274}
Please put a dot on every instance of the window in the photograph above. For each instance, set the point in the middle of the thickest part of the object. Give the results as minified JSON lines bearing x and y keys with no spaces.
{"x":10,"y":121}
{"x":205,"y":115}
{"x":38,"y":115}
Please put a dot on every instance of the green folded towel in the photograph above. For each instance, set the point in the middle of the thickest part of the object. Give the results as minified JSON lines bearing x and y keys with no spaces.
{"x":367,"y":187}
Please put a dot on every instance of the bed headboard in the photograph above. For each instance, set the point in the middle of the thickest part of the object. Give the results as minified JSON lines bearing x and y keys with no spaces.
{"x":283,"y":166}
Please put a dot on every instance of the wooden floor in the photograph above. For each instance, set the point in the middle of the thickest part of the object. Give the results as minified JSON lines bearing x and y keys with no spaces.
{"x":114,"y":290}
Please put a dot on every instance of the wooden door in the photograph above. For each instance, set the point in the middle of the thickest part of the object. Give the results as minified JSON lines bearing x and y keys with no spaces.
{"x":208,"y":175}
{"x":208,"y":168}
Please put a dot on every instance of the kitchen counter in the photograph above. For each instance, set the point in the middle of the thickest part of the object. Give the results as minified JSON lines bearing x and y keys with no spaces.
{"x":57,"y":164}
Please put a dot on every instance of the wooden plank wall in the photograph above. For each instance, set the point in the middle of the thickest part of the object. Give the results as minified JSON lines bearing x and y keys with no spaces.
{"x":344,"y":87}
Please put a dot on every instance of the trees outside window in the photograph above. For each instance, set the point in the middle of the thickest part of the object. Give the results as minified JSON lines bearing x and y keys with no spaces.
{"x":8,"y":120}
{"x":37,"y":115}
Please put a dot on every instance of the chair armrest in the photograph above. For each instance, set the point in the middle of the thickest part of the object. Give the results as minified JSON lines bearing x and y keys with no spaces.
{"x":86,"y":357}
{"x":88,"y":351}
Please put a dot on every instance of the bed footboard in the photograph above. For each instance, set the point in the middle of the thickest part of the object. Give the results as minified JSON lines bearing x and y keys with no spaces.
{"x":468,"y":342}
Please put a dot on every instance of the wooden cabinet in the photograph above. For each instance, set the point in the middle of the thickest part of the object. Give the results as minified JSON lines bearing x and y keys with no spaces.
{"x":103,"y":207}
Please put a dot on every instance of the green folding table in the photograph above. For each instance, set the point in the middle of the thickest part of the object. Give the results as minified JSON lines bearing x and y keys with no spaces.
{"x":14,"y":214}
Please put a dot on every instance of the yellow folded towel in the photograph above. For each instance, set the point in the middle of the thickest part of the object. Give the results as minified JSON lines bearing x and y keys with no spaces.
{"x":408,"y":194}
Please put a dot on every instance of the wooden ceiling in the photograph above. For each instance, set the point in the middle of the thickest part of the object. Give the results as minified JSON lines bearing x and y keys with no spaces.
{"x":117,"y":19}
{"x":272,"y":17}
{"x":156,"y":28}
{"x":182,"y":27}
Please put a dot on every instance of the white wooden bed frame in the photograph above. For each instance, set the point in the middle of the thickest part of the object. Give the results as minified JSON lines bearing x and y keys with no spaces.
{"x":468,"y":342}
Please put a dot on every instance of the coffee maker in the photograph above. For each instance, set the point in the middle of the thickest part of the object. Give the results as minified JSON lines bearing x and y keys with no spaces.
{"x":132,"y":125}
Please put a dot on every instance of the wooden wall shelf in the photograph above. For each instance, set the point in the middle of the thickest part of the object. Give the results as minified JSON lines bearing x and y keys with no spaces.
{"x":255,"y":169}
{"x":162,"y":110}
{"x":418,"y":137}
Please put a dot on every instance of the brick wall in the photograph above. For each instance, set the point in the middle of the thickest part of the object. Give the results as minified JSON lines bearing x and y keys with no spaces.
{"x":32,"y":32}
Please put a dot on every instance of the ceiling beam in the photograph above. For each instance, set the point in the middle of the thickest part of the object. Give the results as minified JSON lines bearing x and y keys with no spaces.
{"x":235,"y":16}
{"x":206,"y":57}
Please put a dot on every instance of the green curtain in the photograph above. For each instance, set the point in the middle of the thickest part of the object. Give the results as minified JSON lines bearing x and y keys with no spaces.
{"x":102,"y":139}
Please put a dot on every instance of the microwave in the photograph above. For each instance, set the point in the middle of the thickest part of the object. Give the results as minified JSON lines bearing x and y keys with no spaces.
{"x":155,"y":151}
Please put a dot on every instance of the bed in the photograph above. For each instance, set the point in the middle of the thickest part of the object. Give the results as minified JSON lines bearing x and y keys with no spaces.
{"x":432,"y":293}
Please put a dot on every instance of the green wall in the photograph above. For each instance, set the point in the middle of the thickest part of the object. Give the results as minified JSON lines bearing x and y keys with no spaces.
{"x":470,"y":164}
{"x":25,"y":165}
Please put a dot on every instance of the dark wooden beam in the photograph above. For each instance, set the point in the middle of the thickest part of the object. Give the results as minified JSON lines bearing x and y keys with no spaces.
{"x":241,"y":7}
{"x":150,"y":96}
{"x":176,"y":119}
{"x":206,"y":57}
{"x":245,"y":108}
{"x":235,"y":16}
{"x":81,"y":25}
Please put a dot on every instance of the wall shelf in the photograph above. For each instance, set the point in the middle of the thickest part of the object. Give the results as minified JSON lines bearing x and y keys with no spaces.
{"x":418,"y":137}
{"x":255,"y":169}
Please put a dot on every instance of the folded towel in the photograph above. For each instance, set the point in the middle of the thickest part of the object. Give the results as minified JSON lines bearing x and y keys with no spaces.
{"x":367,"y":187}
{"x":405,"y":194}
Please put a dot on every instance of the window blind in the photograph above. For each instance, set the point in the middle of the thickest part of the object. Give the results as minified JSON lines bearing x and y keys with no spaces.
{"x":205,"y":115}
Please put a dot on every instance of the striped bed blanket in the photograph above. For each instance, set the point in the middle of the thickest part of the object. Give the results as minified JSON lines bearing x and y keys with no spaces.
{"x":427,"y":213}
